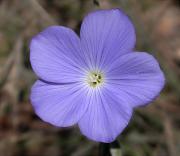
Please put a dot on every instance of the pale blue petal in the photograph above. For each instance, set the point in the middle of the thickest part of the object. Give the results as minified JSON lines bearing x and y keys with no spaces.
{"x":55,"y":55}
{"x":61,"y":105}
{"x":136,"y":77}
{"x":106,"y":117}
{"x":106,"y":35}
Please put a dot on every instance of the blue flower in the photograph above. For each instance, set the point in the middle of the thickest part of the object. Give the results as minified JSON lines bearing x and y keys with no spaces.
{"x":94,"y":80}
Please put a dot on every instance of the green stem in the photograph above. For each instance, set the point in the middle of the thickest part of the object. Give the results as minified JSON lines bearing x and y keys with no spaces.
{"x":96,"y":2}
{"x":110,"y":149}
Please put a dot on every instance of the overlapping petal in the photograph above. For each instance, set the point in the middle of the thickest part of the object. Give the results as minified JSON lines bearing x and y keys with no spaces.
{"x":56,"y":55}
{"x":106,"y":117}
{"x":106,"y":35}
{"x":59,"y":104}
{"x":135,"y":77}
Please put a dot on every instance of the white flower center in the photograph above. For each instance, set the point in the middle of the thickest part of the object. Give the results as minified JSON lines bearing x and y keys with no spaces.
{"x":95,"y":79}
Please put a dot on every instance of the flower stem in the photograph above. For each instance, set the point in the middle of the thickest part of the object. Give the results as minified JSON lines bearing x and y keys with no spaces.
{"x":96,"y":2}
{"x":110,"y":149}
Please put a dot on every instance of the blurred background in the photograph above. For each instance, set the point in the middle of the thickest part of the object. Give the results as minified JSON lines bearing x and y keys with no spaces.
{"x":153,"y":131}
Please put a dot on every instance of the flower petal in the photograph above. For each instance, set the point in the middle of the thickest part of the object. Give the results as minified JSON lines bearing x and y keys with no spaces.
{"x":55,"y":55}
{"x":136,"y":77}
{"x":60,"y":105}
{"x":105,"y":35}
{"x":106,"y":117}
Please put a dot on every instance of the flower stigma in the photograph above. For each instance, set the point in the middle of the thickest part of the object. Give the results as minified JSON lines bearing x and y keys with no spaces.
{"x":95,"y":79}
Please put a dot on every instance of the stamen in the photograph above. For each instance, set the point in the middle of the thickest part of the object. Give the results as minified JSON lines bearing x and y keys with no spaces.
{"x":94,"y":79}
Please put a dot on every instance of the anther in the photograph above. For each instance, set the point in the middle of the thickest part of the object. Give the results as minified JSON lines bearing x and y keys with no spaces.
{"x":94,"y":79}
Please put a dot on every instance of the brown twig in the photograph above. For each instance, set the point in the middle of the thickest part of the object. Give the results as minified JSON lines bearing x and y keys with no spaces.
{"x":169,"y":135}
{"x":6,"y":70}
{"x":14,"y":76}
{"x":41,"y":11}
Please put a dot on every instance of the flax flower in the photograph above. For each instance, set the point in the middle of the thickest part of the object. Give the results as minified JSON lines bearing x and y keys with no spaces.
{"x":95,"y":80}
